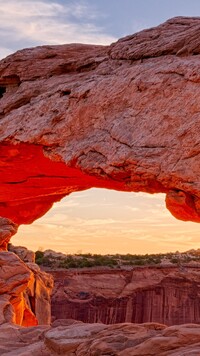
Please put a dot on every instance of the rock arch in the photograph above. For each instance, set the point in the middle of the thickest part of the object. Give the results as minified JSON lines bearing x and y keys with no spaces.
{"x":123,"y":117}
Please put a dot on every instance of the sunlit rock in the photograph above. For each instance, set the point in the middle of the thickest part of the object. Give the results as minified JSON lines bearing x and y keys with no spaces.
{"x":123,"y":117}
{"x":14,"y":279}
{"x":24,"y":292}
{"x":23,"y":253}
{"x":7,"y":230}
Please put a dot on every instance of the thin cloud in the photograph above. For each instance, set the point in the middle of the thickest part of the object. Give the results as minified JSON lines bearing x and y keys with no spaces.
{"x":96,"y":222}
{"x":4,"y":52}
{"x":25,"y":23}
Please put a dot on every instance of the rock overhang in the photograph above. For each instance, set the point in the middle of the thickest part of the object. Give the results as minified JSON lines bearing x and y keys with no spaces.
{"x":123,"y":117}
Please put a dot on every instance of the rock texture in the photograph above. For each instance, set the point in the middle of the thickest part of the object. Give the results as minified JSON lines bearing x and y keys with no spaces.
{"x":23,"y":253}
{"x":167,"y":295}
{"x":24,"y":292}
{"x":7,"y":230}
{"x":99,"y":339}
{"x":124,"y":116}
{"x":38,"y":294}
{"x":15,"y":277}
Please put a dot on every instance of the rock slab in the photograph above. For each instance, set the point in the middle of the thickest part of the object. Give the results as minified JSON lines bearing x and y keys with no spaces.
{"x":98,"y":339}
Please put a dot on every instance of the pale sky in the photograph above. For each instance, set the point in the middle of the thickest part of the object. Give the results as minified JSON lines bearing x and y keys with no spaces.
{"x":97,"y":221}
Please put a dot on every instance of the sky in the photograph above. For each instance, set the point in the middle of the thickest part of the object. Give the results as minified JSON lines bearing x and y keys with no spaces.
{"x":97,"y":221}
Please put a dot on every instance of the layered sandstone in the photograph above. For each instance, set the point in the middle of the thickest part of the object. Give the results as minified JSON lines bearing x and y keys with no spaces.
{"x":99,"y":339}
{"x":24,"y":292}
{"x":23,"y":253}
{"x":168,"y":295}
{"x":7,"y":230}
{"x":15,"y":277}
{"x":124,"y":116}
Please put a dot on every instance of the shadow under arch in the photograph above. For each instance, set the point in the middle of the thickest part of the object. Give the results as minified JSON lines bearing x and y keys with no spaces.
{"x":31,"y":182}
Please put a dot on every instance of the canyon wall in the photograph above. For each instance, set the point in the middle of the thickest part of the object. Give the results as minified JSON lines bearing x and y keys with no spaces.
{"x":168,"y":295}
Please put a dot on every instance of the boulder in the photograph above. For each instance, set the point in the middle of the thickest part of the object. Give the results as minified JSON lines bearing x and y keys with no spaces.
{"x":23,"y":253}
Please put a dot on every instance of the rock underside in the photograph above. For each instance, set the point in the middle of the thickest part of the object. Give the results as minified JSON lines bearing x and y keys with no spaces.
{"x":124,"y":117}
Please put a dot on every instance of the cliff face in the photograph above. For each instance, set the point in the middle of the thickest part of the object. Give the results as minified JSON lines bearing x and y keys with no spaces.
{"x":155,"y":294}
{"x":124,"y":117}
{"x":24,"y":291}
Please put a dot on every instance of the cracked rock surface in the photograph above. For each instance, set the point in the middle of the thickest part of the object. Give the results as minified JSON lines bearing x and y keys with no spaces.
{"x":123,"y":117}
{"x":74,"y":338}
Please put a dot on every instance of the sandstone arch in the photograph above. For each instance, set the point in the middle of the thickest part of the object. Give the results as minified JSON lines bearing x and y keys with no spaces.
{"x":123,"y":117}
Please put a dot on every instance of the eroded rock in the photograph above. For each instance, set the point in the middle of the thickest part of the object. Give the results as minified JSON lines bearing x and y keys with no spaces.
{"x":24,"y":292}
{"x":169,"y":295}
{"x":14,"y":279}
{"x":23,"y":253}
{"x":124,"y":117}
{"x":99,"y":339}
{"x":7,"y":229}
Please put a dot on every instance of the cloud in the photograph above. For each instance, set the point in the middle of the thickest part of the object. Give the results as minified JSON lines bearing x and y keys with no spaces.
{"x":67,"y":203}
{"x":134,"y":223}
{"x":26,"y":23}
{"x":4,"y":52}
{"x":97,"y":222}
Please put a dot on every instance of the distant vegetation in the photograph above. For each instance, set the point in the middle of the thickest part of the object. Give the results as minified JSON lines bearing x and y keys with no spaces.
{"x":58,"y":260}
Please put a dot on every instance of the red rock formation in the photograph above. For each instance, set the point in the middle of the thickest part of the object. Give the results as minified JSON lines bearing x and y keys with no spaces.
{"x":124,"y":116}
{"x":23,"y":253}
{"x":38,"y":294}
{"x":99,"y":339}
{"x":14,"y":277}
{"x":168,"y":295}
{"x":39,"y":182}
{"x":7,"y":230}
{"x":24,"y":292}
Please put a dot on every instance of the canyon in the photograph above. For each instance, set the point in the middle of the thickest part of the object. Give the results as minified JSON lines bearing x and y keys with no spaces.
{"x":71,"y":337}
{"x":168,"y":295}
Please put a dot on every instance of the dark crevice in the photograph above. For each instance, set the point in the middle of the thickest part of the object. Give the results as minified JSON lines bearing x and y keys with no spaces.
{"x":18,"y":104}
{"x":73,"y":67}
{"x":2,"y":115}
{"x":39,"y":176}
{"x":65,"y":92}
{"x":87,"y":67}
{"x":2,"y":91}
